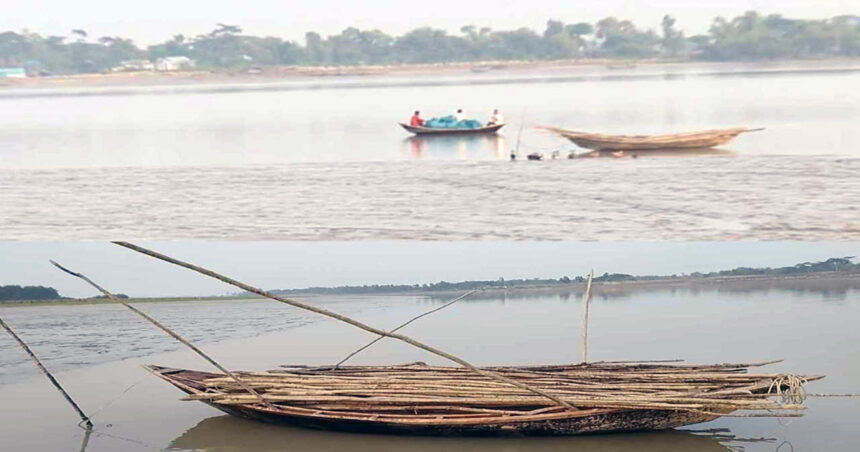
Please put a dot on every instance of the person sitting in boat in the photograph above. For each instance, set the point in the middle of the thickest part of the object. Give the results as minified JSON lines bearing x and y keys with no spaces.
{"x":415,"y":120}
{"x":496,"y":118}
{"x":459,"y":116}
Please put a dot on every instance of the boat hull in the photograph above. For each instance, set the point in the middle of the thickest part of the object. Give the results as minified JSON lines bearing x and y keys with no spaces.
{"x":558,"y":423}
{"x":608,"y":421}
{"x":682,"y":141}
{"x":440,"y":131}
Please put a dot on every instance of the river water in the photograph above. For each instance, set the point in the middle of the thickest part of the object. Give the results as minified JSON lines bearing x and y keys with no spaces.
{"x":97,"y":349}
{"x":324,"y":159}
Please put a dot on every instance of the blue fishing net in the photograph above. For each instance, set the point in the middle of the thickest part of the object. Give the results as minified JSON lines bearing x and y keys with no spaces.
{"x":450,"y":122}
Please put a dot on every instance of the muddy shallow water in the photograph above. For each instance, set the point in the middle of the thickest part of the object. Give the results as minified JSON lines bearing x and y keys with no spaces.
{"x":811,"y":327}
{"x":712,"y":198}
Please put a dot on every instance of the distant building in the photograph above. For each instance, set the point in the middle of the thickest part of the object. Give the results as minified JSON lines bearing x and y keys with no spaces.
{"x":12,"y":72}
{"x":174,"y":63}
{"x":134,"y":66}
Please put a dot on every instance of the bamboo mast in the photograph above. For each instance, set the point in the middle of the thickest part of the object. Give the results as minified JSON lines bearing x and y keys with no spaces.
{"x":342,"y":318}
{"x":170,"y":333}
{"x":84,"y":418}
{"x":404,"y":324}
{"x":586,"y":301}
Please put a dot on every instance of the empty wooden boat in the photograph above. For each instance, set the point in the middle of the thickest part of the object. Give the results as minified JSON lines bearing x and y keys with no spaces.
{"x":445,"y":131}
{"x":692,"y":140}
{"x":452,"y":401}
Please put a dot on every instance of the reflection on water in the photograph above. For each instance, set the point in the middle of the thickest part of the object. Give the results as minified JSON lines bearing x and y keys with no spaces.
{"x":495,"y":146}
{"x":823,"y":287}
{"x":334,"y":125}
{"x":658,"y":153}
{"x":480,"y":146}
{"x":229,"y":434}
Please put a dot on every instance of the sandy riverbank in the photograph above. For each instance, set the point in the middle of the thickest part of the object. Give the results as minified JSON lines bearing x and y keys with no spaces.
{"x":486,"y":68}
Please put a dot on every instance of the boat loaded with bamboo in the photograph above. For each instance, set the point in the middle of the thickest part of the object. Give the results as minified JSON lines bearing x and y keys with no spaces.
{"x":434,"y":400}
{"x":417,"y":398}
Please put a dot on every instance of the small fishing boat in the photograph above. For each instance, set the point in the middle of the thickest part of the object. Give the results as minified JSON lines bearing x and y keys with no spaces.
{"x":692,"y":140}
{"x":445,"y":131}
{"x":452,"y":401}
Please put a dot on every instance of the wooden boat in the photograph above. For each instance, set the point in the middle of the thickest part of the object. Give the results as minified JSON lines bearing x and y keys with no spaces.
{"x":693,"y":140}
{"x":441,"y":131}
{"x":451,"y":401}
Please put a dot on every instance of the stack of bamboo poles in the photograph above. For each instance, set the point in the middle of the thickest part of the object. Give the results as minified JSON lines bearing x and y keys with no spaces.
{"x":422,"y":391}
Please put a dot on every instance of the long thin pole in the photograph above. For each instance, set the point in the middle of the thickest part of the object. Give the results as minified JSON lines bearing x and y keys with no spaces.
{"x":169,"y":332}
{"x":86,"y":440}
{"x":404,"y":324}
{"x":342,"y":318}
{"x":586,"y":301}
{"x":520,"y":132}
{"x":84,"y":418}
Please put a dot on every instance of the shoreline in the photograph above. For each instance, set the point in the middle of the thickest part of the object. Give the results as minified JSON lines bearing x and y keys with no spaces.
{"x":691,"y":282}
{"x":479,"y":70}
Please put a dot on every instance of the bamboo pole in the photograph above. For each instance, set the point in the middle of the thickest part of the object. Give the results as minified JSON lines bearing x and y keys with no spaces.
{"x":342,"y":318}
{"x":84,"y":418}
{"x":586,"y":301}
{"x":519,"y":133}
{"x":404,"y":324}
{"x":169,"y":332}
{"x":86,"y":439}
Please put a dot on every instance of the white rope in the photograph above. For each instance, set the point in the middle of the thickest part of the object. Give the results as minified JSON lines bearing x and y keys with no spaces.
{"x":114,"y":400}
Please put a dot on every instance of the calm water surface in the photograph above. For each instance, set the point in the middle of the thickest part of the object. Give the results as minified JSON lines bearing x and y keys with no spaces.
{"x":806,"y":113}
{"x":809,"y":324}
{"x":326,"y":160}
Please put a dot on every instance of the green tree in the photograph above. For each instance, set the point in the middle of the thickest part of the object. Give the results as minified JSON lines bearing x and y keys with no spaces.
{"x":15,"y":292}
{"x":176,"y":46}
{"x":673,"y":41}
{"x":750,"y":36}
{"x":428,"y":45}
{"x":621,"y":39}
{"x":315,"y":49}
{"x":222,"y":47}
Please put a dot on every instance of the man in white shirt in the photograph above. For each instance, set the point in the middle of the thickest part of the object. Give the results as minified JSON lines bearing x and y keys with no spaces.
{"x":496,"y":118}
{"x":460,"y":115}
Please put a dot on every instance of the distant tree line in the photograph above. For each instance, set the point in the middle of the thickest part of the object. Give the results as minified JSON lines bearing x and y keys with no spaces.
{"x":8,"y":293}
{"x":751,"y":36}
{"x":830,"y":265}
{"x":837,"y":264}
{"x":38,"y":293}
{"x":439,"y":286}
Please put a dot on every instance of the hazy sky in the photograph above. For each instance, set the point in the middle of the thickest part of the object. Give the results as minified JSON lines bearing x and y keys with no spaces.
{"x":156,"y":20}
{"x":303,"y":264}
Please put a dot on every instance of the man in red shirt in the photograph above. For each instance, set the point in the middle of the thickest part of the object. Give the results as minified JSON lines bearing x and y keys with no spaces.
{"x":416,"y":120}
